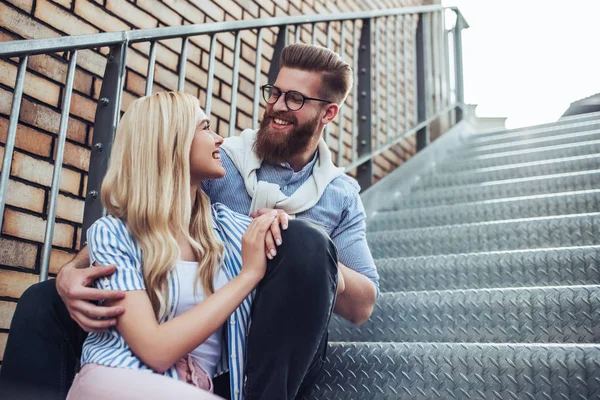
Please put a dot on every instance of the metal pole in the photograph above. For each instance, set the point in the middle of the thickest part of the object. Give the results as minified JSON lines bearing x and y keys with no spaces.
{"x":397,"y":74}
{"x":297,"y":33}
{"x":235,"y":84}
{"x":276,"y":61}
{"x":364,"y":171}
{"x":211,"y":74}
{"x":388,"y":86}
{"x":11,"y":136}
{"x":340,"y":158}
{"x":329,"y":45}
{"x":447,"y":68}
{"x":313,"y":38}
{"x":441,"y":57}
{"x":60,"y":151}
{"x":182,"y":65}
{"x":377,"y":85}
{"x":151,"y":64}
{"x":105,"y":124}
{"x":257,"y":74}
{"x":423,"y":133}
{"x":355,"y":44}
{"x":405,"y":58}
{"x":458,"y":68}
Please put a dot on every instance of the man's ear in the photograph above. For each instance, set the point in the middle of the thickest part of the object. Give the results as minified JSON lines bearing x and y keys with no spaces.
{"x":331,"y":112}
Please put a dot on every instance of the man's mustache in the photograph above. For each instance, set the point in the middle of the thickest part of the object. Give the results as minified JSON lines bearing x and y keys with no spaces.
{"x":284,"y":116}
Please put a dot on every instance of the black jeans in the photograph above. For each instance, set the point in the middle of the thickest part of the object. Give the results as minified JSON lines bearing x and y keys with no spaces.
{"x":287,"y":339}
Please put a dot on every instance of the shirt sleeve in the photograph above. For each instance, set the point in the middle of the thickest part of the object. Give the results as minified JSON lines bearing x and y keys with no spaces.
{"x":351,"y":240}
{"x":109,"y":243}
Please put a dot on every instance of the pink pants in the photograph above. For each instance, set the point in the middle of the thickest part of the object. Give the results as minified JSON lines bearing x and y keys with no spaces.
{"x":97,"y":382}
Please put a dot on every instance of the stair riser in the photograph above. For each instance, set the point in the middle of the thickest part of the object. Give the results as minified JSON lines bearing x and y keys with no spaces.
{"x":572,"y":266}
{"x":532,"y":134}
{"x":387,"y":371}
{"x":552,"y":315}
{"x":486,"y":237}
{"x":466,"y":194}
{"x":482,"y":212}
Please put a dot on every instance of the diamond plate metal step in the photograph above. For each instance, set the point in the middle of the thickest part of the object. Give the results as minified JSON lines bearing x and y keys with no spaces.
{"x":461,"y":163}
{"x":513,"y":268}
{"x":529,"y":143}
{"x":563,"y":314}
{"x":546,"y":184}
{"x":531,"y":133}
{"x":521,"y":170}
{"x":393,"y":371}
{"x":544,"y":232}
{"x":587,"y":201}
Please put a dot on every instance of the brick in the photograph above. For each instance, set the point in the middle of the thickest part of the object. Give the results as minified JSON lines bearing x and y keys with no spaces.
{"x":25,"y":5}
{"x":7,"y":309}
{"x":13,"y":283}
{"x":130,"y":12}
{"x":92,"y":61}
{"x":23,"y":25}
{"x":250,"y":7}
{"x":83,"y":107}
{"x":61,"y":19}
{"x":58,"y":259}
{"x":28,"y":139}
{"x":70,"y":209}
{"x":40,"y":172}
{"x":76,"y":156}
{"x":160,"y":11}
{"x":230,"y":7}
{"x":56,"y":70}
{"x":42,"y":117}
{"x":32,"y":228}
{"x":25,"y":196}
{"x":135,"y":83}
{"x":97,"y":16}
{"x":3,"y":338}
{"x":65,"y":3}
{"x":33,"y":85}
{"x":14,"y":253}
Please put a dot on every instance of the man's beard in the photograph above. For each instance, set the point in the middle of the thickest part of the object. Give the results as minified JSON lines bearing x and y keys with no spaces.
{"x":276,"y":147}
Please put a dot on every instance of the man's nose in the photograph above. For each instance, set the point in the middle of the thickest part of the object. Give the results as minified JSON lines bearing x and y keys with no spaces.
{"x":280,"y":104}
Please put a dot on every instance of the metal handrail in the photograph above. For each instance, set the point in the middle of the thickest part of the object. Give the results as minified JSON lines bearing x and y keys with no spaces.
{"x":432,"y":91}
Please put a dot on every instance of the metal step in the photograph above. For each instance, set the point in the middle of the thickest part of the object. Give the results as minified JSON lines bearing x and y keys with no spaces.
{"x":545,"y":184}
{"x":544,"y":232}
{"x":529,"y":143}
{"x":513,"y":268}
{"x":425,"y":371}
{"x":521,"y":170}
{"x":563,"y":314}
{"x":460,"y":163}
{"x":534,"y":132}
{"x":587,"y":201}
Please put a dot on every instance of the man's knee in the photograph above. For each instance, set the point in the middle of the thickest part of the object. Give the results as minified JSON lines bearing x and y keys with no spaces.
{"x":38,"y":300}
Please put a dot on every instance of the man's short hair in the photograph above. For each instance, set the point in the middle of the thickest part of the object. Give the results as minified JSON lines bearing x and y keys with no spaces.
{"x":336,"y":74}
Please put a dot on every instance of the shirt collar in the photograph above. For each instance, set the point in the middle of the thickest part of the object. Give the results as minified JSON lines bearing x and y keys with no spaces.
{"x":307,"y":169}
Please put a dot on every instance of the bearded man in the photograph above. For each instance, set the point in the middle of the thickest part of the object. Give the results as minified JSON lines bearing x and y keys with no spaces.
{"x":317,"y":265}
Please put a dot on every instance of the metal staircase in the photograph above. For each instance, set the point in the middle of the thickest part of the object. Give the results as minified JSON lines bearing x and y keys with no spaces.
{"x":489,"y":261}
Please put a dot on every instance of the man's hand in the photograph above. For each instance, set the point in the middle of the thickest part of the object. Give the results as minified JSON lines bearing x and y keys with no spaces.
{"x":273,"y":237}
{"x":73,"y":286}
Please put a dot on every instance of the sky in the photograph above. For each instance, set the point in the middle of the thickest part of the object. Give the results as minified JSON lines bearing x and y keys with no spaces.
{"x":527,"y":60}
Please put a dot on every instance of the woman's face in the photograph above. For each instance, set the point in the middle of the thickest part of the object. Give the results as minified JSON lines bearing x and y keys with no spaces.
{"x":205,"y":157}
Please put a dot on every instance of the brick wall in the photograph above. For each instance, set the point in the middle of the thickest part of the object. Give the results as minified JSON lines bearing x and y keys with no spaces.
{"x":31,"y":174}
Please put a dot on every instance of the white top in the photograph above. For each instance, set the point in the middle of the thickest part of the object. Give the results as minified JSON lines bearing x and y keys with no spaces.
{"x":208,"y":353}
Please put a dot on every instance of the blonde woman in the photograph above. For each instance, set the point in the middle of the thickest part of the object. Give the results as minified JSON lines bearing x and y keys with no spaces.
{"x":176,"y":257}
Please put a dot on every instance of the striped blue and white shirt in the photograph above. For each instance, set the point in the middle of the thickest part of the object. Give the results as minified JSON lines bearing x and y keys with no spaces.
{"x":339,"y":210}
{"x":109,"y":242}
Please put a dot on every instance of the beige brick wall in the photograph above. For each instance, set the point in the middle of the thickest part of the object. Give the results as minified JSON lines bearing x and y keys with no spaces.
{"x":31,"y":173}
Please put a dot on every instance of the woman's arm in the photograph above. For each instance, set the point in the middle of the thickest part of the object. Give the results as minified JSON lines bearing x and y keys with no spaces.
{"x":161,"y":345}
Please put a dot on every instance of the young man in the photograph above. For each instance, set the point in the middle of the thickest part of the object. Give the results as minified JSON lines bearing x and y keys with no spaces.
{"x":323,"y":264}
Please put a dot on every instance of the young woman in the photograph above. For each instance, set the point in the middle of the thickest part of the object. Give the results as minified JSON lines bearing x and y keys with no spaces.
{"x":171,"y":249}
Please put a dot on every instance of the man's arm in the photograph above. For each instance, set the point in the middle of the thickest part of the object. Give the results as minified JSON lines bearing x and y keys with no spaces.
{"x":73,"y":285}
{"x":355,"y":301}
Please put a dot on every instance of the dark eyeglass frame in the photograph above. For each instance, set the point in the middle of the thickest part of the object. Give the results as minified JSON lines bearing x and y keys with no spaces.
{"x":285,"y":97}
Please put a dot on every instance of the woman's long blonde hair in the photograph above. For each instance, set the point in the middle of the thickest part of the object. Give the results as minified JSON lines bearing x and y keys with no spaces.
{"x":147,"y":185}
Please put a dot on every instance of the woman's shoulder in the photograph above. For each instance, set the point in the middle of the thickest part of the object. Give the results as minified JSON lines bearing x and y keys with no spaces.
{"x":109,"y":228}
{"x":222,"y":213}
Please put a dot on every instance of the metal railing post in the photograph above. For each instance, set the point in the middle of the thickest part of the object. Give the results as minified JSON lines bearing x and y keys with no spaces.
{"x":458,"y":67}
{"x":364,"y":172}
{"x":422,"y":93}
{"x":105,"y":126}
{"x":275,"y":61}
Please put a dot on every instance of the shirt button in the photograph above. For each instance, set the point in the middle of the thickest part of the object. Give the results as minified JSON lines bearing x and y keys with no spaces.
{"x":232,"y":322}
{"x":236,"y":391}
{"x":285,"y":187}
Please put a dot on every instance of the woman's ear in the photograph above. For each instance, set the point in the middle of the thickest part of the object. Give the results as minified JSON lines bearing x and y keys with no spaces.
{"x":331,"y":112}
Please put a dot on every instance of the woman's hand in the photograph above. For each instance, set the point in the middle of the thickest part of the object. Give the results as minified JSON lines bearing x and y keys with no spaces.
{"x":254,"y":262}
{"x":273,"y":237}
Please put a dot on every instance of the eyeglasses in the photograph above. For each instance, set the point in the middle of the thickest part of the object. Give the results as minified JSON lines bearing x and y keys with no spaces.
{"x":294,"y":100}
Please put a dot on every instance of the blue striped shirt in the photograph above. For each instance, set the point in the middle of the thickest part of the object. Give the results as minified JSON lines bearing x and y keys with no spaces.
{"x":109,"y":242}
{"x":339,"y":210}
